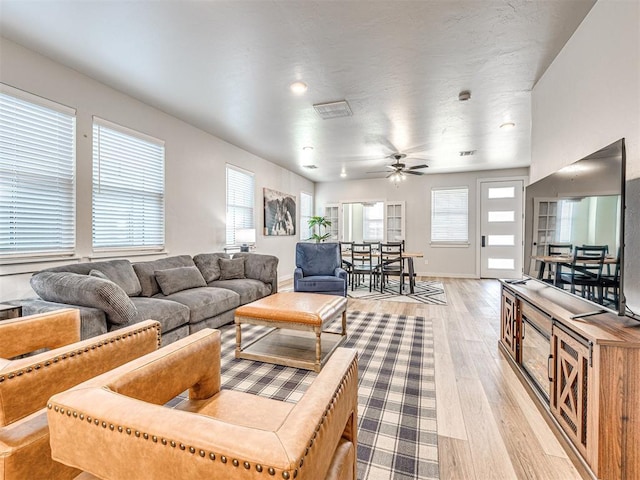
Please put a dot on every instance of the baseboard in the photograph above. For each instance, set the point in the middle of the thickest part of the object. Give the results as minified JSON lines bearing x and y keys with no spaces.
{"x":447,"y":275}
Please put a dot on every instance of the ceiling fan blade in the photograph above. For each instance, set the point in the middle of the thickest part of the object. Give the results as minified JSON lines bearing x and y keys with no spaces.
{"x":411,"y":157}
{"x":380,"y":171}
{"x":393,"y":167}
{"x":418,"y":166}
{"x":392,"y":173}
{"x":410,"y":172}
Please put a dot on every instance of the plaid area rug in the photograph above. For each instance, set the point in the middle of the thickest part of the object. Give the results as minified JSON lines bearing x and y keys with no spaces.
{"x":425,"y":291}
{"x":397,"y":436}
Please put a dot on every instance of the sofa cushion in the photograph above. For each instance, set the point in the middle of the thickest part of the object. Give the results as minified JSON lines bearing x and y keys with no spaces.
{"x":248,"y":289}
{"x":118,"y":271}
{"x":260,"y":267}
{"x":169,"y":314}
{"x":204,"y":302}
{"x":88,"y":291}
{"x":146,"y":272}
{"x":174,"y":280}
{"x":208,"y":265}
{"x":231,"y":269}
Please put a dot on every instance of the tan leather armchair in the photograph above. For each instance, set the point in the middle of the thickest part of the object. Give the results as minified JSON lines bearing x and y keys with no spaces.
{"x":27,"y":383}
{"x":123,"y":431}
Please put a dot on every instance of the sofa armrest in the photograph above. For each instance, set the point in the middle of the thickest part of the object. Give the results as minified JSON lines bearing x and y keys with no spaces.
{"x":134,"y":436}
{"x":27,"y":383}
{"x":86,"y":290}
{"x":261,"y":267}
{"x":50,"y":330}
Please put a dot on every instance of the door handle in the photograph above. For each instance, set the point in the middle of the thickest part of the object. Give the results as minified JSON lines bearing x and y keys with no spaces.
{"x":484,"y":238}
{"x":549,"y":372}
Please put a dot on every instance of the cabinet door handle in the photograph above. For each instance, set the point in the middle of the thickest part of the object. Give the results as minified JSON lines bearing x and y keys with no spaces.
{"x":549,"y":364}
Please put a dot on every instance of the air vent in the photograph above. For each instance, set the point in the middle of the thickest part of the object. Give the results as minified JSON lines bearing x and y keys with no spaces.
{"x":333,"y":109}
{"x":467,"y":153}
{"x":310,"y":167}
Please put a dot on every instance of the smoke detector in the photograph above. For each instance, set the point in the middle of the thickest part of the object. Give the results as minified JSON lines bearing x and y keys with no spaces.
{"x":467,"y":153}
{"x":333,"y":109}
{"x":464,"y":95}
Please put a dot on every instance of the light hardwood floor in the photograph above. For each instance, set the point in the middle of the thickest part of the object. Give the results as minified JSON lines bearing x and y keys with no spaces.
{"x":488,"y":427}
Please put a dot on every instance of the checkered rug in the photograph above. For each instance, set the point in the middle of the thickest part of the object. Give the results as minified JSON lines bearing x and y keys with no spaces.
{"x":425,"y":291}
{"x":397,"y":437}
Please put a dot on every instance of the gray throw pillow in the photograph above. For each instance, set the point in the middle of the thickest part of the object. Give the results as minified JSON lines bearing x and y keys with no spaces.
{"x":175,"y":280}
{"x":231,"y":269}
{"x":208,"y":265}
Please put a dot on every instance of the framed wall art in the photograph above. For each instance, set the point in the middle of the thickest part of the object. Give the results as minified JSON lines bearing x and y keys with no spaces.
{"x":279,"y":213}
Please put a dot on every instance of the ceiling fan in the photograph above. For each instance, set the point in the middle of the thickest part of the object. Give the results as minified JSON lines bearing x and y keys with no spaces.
{"x":399,"y":169}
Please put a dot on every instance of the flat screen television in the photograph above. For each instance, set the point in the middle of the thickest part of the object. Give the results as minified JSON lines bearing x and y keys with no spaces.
{"x":581,"y":204}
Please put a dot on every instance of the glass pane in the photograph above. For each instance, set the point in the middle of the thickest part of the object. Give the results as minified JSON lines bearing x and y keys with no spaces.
{"x":501,"y":240}
{"x":502,"y":216}
{"x":502,"y":192}
{"x":501,"y":263}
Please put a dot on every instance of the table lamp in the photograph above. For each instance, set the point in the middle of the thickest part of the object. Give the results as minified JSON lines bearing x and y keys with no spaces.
{"x":245,"y":236}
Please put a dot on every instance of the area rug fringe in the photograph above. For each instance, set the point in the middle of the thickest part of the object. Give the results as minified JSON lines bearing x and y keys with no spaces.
{"x":397,"y":436}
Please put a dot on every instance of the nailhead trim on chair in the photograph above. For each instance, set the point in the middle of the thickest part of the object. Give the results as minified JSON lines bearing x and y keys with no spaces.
{"x":86,"y":349}
{"x":286,"y":475}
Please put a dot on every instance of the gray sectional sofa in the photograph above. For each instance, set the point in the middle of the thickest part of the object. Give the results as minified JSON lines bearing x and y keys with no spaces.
{"x":185,"y":294}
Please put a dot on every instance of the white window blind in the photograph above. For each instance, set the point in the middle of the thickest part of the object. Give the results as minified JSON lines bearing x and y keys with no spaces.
{"x":450,"y":215}
{"x":128,"y":189}
{"x":373,"y":216}
{"x":37,"y":175}
{"x":240,"y":201}
{"x":306,"y":212}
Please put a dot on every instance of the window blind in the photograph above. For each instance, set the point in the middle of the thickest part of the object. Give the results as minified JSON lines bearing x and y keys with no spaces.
{"x":450,"y":215}
{"x":37,"y":175}
{"x":306,"y":212}
{"x":128,"y":189}
{"x":240,"y":201}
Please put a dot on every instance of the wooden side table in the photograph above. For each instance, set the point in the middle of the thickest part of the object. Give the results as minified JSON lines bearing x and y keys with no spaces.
{"x":9,"y":311}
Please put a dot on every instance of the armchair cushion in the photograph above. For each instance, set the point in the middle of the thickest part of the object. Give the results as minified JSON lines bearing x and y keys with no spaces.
{"x":317,"y":258}
{"x":27,"y":383}
{"x":213,"y":434}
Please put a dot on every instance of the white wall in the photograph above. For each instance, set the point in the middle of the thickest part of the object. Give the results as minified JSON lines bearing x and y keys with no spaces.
{"x":195,"y":166}
{"x":416,"y":192}
{"x":588,"y":98}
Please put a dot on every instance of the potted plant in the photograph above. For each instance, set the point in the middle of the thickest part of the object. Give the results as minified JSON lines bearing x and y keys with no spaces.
{"x":321,"y":223}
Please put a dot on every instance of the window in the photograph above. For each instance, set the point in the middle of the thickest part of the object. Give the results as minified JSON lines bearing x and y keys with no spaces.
{"x":565,"y":222}
{"x":306,"y":212}
{"x":372,"y":224}
{"x":37,"y":175}
{"x":450,"y":215}
{"x":128,"y":188}
{"x":240,"y":203}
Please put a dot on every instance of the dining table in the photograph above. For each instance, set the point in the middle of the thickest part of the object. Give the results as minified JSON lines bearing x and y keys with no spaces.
{"x":408,"y":256}
{"x":564,"y":260}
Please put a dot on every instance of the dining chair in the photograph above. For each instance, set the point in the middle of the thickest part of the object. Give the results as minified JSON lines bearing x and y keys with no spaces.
{"x":586,"y":272}
{"x":554,"y":270}
{"x":363,"y":263}
{"x":391,"y":263}
{"x":345,"y":258}
{"x":611,"y":282}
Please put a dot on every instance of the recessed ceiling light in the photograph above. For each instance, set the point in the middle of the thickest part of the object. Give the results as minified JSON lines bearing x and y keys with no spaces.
{"x":308,"y":148}
{"x":507,"y":125}
{"x":298,"y":87}
{"x":343,"y":174}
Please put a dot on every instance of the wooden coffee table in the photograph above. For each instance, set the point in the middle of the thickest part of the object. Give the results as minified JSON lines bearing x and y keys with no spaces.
{"x":292,"y":315}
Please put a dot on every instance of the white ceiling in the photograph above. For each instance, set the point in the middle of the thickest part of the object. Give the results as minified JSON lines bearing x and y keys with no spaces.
{"x":226,"y":66}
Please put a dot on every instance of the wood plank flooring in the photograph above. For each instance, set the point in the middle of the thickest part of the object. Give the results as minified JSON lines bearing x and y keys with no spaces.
{"x":488,"y":426}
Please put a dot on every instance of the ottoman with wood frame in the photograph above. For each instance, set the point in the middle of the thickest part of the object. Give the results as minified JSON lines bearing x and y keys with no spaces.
{"x":292,"y":315}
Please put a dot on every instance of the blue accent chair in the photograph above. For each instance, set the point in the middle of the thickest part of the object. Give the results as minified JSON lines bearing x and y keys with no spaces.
{"x":318,"y":269}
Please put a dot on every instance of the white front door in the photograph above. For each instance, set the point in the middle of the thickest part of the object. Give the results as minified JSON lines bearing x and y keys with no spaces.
{"x":501,"y":229}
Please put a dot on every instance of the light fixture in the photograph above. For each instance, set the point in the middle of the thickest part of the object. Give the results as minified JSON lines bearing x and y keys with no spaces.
{"x":298,"y":87}
{"x":397,"y":177}
{"x":343,"y":174}
{"x":308,"y":148}
{"x":464,"y":95}
{"x":245,"y":236}
{"x":507,"y":126}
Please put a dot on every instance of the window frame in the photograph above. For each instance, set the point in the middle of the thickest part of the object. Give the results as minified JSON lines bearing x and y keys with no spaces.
{"x":305,"y":231}
{"x":450,"y":241}
{"x":252,"y":216}
{"x":151,"y":142}
{"x":60,"y":245}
